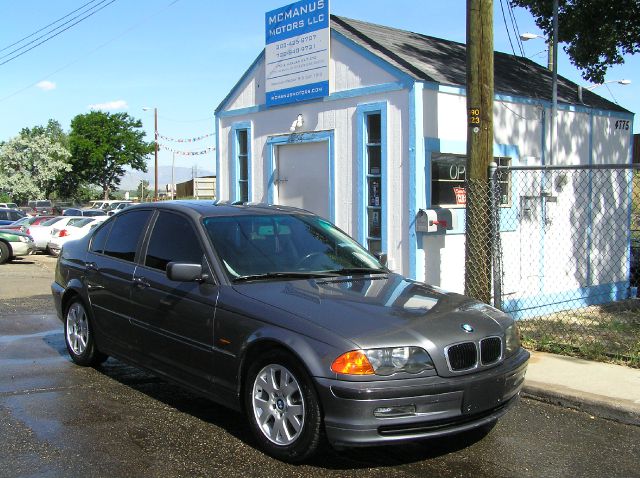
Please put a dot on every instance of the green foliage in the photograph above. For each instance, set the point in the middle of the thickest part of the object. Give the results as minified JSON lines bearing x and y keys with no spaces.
{"x":596,"y":33}
{"x":30,"y":164}
{"x":102,"y":144}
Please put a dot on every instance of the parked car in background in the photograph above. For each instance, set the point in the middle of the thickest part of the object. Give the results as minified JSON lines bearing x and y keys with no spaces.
{"x":118,"y":206}
{"x":84,"y":212}
{"x":41,"y":207}
{"x":9,"y":216}
{"x":15,"y":244}
{"x":23,"y":223}
{"x":103,"y":204}
{"x":8,"y":205}
{"x":60,"y":236}
{"x":313,"y":338}
{"x":42,"y":232}
{"x":27,"y":210}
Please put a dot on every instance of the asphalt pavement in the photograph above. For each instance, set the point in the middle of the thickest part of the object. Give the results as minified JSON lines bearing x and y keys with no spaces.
{"x":57,"y":419}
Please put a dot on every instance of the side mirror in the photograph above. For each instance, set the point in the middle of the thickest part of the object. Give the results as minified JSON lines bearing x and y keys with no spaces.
{"x":185,"y":272}
{"x":382,"y":258}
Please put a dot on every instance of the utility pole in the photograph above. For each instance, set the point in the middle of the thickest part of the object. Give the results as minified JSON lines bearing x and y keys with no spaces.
{"x":479,"y":148}
{"x":155,"y":121}
{"x":554,"y":88}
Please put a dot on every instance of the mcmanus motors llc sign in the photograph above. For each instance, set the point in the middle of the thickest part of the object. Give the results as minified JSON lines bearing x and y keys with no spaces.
{"x":297,"y":52}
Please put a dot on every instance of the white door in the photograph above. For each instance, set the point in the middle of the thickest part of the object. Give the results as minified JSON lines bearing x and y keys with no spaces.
{"x":302,"y":177}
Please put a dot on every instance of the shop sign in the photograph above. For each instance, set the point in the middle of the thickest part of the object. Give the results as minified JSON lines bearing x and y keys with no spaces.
{"x":297,"y":52}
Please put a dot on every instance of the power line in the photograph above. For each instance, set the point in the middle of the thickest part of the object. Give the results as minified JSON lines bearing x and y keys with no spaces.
{"x":516,"y":29}
{"x":53,"y":36}
{"x":90,"y":52}
{"x":47,"y":26}
{"x":506,"y":26}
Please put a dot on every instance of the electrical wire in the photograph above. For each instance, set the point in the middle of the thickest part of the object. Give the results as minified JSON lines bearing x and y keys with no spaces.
{"x":201,"y":120}
{"x":47,"y":26}
{"x":506,"y":26}
{"x":516,"y":29}
{"x":90,"y":52}
{"x":53,"y":36}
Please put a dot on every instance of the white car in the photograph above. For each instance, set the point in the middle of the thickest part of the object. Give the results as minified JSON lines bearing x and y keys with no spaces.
{"x":69,"y":233}
{"x":42,"y":232}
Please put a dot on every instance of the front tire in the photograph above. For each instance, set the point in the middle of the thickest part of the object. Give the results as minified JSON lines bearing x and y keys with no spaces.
{"x":282,"y":407}
{"x":78,"y":334}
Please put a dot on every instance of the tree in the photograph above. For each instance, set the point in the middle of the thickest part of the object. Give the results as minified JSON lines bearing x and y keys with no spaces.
{"x":597,"y":33}
{"x":28,"y":165}
{"x":102,"y":144}
{"x":63,"y":185}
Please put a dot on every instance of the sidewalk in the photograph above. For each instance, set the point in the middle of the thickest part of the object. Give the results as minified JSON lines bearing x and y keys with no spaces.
{"x":600,"y":389}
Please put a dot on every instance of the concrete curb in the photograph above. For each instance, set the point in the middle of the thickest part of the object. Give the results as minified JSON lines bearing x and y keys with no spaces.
{"x":622,"y":411}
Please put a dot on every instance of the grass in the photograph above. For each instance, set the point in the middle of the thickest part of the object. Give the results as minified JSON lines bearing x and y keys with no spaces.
{"x":606,"y":333}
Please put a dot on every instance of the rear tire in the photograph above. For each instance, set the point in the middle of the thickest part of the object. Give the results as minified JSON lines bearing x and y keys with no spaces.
{"x":78,"y":335}
{"x":5,"y":255}
{"x":282,"y":407}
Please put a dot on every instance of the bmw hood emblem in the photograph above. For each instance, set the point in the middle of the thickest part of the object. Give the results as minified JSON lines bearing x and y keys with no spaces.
{"x":467,"y":328}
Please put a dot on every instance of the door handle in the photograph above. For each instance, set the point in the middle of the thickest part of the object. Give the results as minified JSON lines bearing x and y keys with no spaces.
{"x":91,"y":266}
{"x":140,"y":283}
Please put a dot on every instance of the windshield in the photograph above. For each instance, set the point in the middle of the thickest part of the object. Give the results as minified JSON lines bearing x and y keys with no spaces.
{"x":276,"y":244}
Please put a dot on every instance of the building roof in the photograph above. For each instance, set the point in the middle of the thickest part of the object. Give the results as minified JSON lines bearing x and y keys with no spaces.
{"x":432,"y":59}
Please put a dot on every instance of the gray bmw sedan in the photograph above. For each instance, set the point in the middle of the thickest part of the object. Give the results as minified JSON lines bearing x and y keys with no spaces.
{"x":276,"y":312}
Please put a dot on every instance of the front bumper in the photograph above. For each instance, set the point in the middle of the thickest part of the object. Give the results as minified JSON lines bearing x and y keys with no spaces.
{"x":442,"y":405}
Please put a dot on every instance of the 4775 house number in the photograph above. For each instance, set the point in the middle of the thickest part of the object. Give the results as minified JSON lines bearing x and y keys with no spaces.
{"x":622,"y":124}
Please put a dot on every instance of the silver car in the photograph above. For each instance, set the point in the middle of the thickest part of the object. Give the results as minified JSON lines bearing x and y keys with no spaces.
{"x":276,"y":312}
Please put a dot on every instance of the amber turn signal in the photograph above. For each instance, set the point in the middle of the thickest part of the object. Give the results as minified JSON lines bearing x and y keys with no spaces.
{"x":352,"y":363}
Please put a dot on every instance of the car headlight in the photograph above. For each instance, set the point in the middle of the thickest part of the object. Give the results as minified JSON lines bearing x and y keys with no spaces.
{"x":384,"y":361}
{"x":511,"y":339}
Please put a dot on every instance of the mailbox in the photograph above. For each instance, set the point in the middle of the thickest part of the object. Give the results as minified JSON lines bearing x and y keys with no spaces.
{"x":436,"y":220}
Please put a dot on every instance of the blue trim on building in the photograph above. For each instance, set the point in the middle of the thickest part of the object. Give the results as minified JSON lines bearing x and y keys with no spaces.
{"x":300,"y":138}
{"x":522,"y":308}
{"x":461,"y":91}
{"x":339,"y":95}
{"x":362,"y":110}
{"x":234,"y":191}
{"x":417,"y":179}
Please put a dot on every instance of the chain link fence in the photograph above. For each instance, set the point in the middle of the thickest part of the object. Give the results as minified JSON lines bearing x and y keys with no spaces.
{"x":563,"y":248}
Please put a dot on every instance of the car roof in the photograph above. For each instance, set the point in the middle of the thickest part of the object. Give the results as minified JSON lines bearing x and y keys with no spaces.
{"x":201,"y":208}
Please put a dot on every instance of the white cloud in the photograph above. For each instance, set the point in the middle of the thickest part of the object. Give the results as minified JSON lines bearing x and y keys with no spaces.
{"x":110,"y":105}
{"x":46,"y":85}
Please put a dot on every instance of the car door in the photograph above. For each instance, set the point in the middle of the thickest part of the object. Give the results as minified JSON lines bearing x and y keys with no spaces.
{"x":110,"y":265}
{"x":175,"y":318}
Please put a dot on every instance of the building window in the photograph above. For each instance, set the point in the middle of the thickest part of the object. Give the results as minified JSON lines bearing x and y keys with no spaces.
{"x":448,"y":177}
{"x":242,"y":139}
{"x":373,"y":162}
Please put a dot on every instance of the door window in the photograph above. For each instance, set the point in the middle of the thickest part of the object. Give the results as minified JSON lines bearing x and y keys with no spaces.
{"x":122,"y":242}
{"x":173,"y":239}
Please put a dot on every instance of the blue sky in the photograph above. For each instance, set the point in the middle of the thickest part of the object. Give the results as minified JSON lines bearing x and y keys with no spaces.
{"x":184,"y":56}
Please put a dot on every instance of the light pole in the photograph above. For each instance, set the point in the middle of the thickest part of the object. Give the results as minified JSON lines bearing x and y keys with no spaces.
{"x":155,"y":127}
{"x":620,"y":82}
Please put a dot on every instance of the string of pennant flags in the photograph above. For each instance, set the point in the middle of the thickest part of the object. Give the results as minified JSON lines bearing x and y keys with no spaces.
{"x":186,"y":153}
{"x":185,"y":140}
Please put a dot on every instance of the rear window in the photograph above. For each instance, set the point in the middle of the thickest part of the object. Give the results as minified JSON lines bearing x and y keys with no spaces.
{"x":83,"y":222}
{"x":122,"y":242}
{"x":51,"y":222}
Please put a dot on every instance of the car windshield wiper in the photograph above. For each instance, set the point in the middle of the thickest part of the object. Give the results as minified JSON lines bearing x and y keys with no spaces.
{"x":285,"y":275}
{"x":358,"y":270}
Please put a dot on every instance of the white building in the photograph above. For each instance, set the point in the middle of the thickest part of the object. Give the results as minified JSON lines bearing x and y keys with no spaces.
{"x":372,"y":154}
